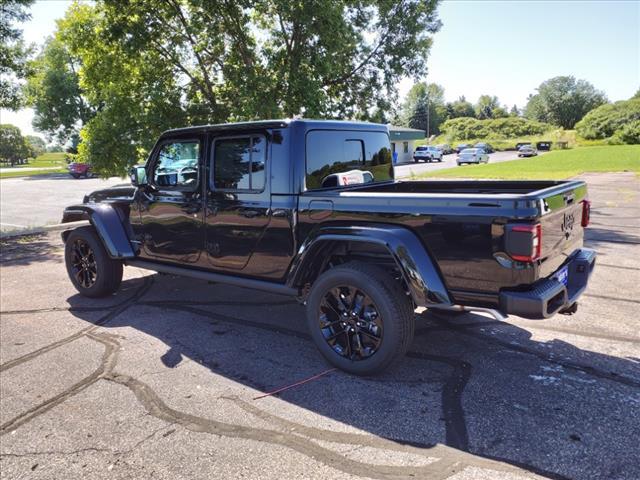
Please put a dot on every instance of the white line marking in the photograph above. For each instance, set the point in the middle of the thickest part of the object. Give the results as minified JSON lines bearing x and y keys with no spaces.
{"x":12,"y":225}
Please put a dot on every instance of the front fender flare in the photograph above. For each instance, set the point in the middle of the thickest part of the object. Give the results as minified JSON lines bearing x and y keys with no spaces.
{"x":107,"y":222}
{"x":419,"y":271}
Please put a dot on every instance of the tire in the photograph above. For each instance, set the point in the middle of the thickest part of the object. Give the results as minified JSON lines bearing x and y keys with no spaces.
{"x":75,"y":175}
{"x":384,"y":328}
{"x":89,"y":267}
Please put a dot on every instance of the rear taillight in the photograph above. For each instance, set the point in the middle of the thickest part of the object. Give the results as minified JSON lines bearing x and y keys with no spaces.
{"x":524,"y":242}
{"x":586,"y":212}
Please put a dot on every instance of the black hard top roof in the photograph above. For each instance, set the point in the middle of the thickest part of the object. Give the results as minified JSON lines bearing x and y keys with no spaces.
{"x":260,"y":124}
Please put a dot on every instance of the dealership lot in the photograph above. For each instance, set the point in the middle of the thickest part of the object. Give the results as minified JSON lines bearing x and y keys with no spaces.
{"x":449,"y":161}
{"x":162,"y":380}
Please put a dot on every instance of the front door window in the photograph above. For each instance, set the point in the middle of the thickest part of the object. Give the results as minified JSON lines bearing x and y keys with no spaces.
{"x":177,"y":165}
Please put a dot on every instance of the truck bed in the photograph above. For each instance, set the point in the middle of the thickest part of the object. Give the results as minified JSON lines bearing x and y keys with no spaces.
{"x":468,"y":187}
{"x":462,"y":224}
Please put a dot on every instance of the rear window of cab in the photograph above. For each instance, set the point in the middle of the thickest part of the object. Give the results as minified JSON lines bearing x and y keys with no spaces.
{"x":336,"y":158}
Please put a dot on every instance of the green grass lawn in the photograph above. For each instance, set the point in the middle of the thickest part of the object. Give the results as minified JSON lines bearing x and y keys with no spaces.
{"x":558,"y":164}
{"x":46,"y":162}
{"x":52,"y":159}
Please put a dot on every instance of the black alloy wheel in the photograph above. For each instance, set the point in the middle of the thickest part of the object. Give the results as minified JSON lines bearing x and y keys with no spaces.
{"x":90,"y":269}
{"x":350,"y":322}
{"x":360,"y":317}
{"x":83,"y":261}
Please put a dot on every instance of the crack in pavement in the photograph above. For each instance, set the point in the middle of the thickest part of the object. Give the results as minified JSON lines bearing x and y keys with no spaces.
{"x":54,"y":452}
{"x":453,"y":412}
{"x":157,"y":408}
{"x":114,"y":312}
{"x":105,"y":365}
{"x":452,"y":409}
{"x":292,"y":440}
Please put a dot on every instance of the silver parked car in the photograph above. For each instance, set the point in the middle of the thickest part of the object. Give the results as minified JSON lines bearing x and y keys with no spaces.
{"x":527,"y":151}
{"x":472,"y":155}
{"x":427,"y":153}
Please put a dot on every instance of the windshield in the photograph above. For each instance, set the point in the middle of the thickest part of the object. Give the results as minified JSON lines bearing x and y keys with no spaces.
{"x":422,"y":149}
{"x":469,"y":151}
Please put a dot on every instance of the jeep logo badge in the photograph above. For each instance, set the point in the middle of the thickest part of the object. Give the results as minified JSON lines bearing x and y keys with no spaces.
{"x":567,"y":224}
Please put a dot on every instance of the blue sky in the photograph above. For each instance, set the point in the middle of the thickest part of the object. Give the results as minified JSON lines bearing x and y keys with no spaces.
{"x":503,"y":48}
{"x":507,"y":48}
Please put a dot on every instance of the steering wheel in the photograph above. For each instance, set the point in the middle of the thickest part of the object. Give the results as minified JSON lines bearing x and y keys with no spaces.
{"x":187,"y":170}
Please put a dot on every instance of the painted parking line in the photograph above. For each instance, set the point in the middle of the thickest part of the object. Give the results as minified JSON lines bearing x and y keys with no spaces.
{"x":2,"y":224}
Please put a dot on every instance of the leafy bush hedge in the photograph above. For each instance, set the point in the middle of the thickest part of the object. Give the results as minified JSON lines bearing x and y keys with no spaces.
{"x":618,"y":120}
{"x":466,"y":128}
{"x":630,"y":133}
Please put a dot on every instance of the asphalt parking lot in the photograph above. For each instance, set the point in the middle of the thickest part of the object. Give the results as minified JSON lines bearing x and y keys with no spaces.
{"x":29,"y":202}
{"x":162,"y":380}
{"x":449,"y":161}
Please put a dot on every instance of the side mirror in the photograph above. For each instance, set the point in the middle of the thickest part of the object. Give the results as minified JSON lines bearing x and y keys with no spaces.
{"x":138,"y":175}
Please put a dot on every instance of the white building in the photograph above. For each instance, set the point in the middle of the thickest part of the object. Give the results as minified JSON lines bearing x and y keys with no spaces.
{"x":403,"y":142}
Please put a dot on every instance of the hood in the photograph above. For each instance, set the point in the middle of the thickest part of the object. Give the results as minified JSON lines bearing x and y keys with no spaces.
{"x":117,"y":193}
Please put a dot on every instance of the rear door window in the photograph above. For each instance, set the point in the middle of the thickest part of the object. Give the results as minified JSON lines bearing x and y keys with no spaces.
{"x":239,"y":163}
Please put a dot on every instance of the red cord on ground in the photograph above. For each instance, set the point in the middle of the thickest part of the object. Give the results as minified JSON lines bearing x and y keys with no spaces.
{"x":282,"y":389}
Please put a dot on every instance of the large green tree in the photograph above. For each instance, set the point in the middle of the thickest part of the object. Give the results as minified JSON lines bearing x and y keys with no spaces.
{"x":14,"y":148}
{"x":424,"y":108}
{"x":460,"y":108}
{"x":37,"y":144}
{"x":147,"y":65}
{"x":488,"y":106}
{"x":13,"y":52}
{"x":563,"y":101}
{"x":54,"y":92}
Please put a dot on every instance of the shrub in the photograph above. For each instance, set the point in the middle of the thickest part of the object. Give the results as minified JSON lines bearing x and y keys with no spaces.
{"x":629,"y":134}
{"x":466,"y":128}
{"x":607,"y":120}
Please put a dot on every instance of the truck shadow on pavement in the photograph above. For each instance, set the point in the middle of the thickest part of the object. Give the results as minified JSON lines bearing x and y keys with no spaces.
{"x":473,"y":384}
{"x":26,"y":249}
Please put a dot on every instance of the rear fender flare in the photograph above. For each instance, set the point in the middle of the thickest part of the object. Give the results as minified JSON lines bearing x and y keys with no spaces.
{"x":108,"y":224}
{"x":418,"y":269}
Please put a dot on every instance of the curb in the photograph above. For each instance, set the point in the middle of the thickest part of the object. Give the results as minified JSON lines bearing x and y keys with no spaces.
{"x":45,"y":229}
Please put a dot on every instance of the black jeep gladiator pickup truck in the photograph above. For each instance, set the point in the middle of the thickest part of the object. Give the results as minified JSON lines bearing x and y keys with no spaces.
{"x":311,"y":209}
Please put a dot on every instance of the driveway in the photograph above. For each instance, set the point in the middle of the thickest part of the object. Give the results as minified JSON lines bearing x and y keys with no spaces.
{"x":449,"y":161}
{"x":166,"y":379}
{"x":27,"y":202}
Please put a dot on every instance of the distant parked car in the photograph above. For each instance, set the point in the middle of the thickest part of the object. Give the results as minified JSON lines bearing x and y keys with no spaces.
{"x":472,"y":155}
{"x":462,"y":146}
{"x":546,"y":145}
{"x":445,"y":149}
{"x":484,"y":146}
{"x":427,"y":153}
{"x":527,"y":151}
{"x":77,"y":170}
{"x":522,"y":144}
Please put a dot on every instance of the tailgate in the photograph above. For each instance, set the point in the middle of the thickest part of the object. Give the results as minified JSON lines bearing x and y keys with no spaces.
{"x":561,"y":224}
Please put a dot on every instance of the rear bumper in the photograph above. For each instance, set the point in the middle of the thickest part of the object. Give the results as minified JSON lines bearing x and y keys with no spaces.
{"x":548,"y":296}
